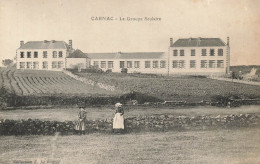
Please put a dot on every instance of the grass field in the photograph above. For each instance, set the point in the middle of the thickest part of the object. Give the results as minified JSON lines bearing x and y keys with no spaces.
{"x":71,"y":114}
{"x":218,"y":146}
{"x":192,"y":89}
{"x":37,"y":82}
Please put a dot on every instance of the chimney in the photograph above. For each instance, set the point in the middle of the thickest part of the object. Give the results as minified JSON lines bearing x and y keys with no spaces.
{"x":21,"y":43}
{"x":171,"y":42}
{"x":70,"y":44}
{"x":228,"y":41}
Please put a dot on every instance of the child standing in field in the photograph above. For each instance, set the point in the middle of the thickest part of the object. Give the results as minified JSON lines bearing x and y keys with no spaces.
{"x":118,"y":122}
{"x":80,"y":126}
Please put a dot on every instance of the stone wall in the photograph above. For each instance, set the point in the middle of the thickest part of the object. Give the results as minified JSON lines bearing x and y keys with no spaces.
{"x":160,"y":123}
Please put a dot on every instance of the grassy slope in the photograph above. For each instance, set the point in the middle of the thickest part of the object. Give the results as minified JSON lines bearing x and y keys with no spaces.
{"x":218,"y":146}
{"x":174,"y":88}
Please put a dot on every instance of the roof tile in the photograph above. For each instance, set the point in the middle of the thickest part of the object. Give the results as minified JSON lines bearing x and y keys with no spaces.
{"x":199,"y":42}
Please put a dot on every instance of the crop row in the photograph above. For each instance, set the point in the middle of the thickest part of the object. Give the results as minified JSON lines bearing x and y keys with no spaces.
{"x":44,"y":82}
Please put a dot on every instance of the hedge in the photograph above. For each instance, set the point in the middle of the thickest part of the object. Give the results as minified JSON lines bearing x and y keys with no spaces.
{"x":159,"y":123}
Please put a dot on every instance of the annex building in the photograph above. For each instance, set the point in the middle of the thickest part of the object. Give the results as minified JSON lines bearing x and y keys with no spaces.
{"x":189,"y":56}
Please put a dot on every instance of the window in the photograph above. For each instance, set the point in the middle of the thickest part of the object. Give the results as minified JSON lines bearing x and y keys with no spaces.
{"x":212,"y":52}
{"x":220,"y":52}
{"x":192,"y":52}
{"x":22,"y":64}
{"x":174,"y":64}
{"x":54,"y":54}
{"x":175,"y":52}
{"x":137,"y":64}
{"x":155,"y":64}
{"x":181,"y":64}
{"x":103,"y":64}
{"x":212,"y":64}
{"x":54,"y":64}
{"x":162,"y":64}
{"x":45,"y":65}
{"x":45,"y":54}
{"x":203,"y":63}
{"x":122,"y":64}
{"x":28,"y":65}
{"x":220,"y":63}
{"x":35,"y":54}
{"x":21,"y":54}
{"x":192,"y":63}
{"x":96,"y":63}
{"x":35,"y":65}
{"x":147,"y":64}
{"x":60,"y":54}
{"x":29,"y":55}
{"x":181,"y":52}
{"x":129,"y":64}
{"x":110,"y":64}
{"x":60,"y":64}
{"x":203,"y":52}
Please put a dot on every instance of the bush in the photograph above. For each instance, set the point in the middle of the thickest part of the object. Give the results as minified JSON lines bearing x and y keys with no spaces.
{"x":124,"y":70}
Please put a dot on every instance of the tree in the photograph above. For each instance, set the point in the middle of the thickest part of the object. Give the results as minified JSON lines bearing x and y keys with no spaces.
{"x":7,"y":62}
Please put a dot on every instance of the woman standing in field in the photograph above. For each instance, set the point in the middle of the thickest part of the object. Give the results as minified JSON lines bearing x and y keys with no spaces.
{"x":118,"y":122}
{"x":80,"y":126}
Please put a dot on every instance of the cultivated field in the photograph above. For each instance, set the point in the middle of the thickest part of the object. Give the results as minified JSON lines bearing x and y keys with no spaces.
{"x":36,"y":82}
{"x":174,"y":88}
{"x":218,"y":146}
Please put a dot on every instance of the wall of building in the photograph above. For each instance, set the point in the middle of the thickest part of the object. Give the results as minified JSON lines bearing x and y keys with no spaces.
{"x":31,"y":63}
{"x":133,"y":69}
{"x":214,"y":69}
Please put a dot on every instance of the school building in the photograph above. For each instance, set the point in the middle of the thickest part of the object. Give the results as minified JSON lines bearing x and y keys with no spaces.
{"x":188,"y":56}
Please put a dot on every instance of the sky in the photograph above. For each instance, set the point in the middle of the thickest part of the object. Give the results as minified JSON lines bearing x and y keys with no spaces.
{"x":36,"y":20}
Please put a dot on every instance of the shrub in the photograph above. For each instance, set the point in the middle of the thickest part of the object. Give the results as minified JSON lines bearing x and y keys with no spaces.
{"x":124,"y":70}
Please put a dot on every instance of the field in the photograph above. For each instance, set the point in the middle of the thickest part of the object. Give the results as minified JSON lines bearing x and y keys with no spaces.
{"x":218,"y":146}
{"x":184,"y":88}
{"x":36,"y":82}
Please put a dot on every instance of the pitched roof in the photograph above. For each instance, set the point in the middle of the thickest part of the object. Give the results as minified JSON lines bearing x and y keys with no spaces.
{"x":198,"y":42}
{"x":77,"y":54}
{"x":127,"y":55}
{"x":45,"y":45}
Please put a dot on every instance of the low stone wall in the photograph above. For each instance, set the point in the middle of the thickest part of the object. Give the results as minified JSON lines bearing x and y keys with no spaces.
{"x":160,"y":123}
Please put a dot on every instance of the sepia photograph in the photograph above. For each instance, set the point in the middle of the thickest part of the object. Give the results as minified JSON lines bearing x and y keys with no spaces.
{"x":134,"y":81}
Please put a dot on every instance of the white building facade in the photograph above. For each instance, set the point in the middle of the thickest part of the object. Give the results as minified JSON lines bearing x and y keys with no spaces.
{"x":199,"y":56}
{"x":136,"y":62}
{"x":188,"y":56}
{"x":43,"y":55}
